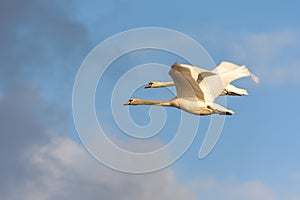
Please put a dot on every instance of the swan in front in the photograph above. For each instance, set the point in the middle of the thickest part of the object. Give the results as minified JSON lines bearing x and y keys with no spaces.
{"x":196,"y":92}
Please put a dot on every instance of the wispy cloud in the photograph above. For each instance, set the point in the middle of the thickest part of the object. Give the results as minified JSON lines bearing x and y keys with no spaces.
{"x":272,"y":55}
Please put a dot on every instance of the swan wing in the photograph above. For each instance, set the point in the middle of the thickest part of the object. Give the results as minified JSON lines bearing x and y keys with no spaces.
{"x":230,"y":72}
{"x":185,"y":83}
{"x":194,"y":70}
{"x":194,"y":83}
{"x":224,"y":67}
{"x":226,"y":72}
{"x":211,"y":84}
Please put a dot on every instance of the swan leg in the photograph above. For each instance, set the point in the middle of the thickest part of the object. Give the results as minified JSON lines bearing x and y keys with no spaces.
{"x":217,"y":109}
{"x":226,"y":113}
{"x":234,"y":91}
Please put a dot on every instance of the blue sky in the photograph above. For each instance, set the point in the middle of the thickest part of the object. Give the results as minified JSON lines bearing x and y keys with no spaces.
{"x":43,"y":44}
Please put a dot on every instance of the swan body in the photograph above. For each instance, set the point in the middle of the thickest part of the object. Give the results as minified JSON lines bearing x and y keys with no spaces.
{"x":193,"y":107}
{"x":203,"y":108}
{"x":228,"y":90}
{"x":198,"y":88}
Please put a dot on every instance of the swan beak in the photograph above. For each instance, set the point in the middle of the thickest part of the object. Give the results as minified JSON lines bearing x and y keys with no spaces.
{"x":149,"y":85}
{"x":128,"y":102}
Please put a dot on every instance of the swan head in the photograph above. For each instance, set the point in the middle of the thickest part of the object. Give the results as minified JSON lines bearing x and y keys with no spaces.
{"x":150,"y":85}
{"x":154,"y":84}
{"x":132,"y":101}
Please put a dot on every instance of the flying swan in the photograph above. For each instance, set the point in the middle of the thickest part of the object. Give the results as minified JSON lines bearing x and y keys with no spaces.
{"x":197,"y":88}
{"x":222,"y":68}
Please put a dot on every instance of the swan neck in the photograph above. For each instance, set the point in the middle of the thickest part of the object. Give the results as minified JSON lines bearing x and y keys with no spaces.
{"x":162,"y":84}
{"x":168,"y":84}
{"x":157,"y":103}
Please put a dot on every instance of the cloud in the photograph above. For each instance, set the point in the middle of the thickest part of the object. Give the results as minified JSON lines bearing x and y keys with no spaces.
{"x":40,"y":43}
{"x":272,"y":55}
{"x":214,"y":189}
{"x":37,"y":163}
{"x":70,"y":172}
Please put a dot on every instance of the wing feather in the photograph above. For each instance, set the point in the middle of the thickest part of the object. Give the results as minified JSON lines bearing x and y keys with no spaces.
{"x":240,"y":71}
{"x":186,"y":85}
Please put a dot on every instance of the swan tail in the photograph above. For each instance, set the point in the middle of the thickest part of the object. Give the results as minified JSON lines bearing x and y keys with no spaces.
{"x":234,"y":91}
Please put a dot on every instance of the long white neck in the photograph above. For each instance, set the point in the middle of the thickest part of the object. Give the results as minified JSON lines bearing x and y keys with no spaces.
{"x":162,"y":84}
{"x":172,"y":102}
{"x":166,"y":84}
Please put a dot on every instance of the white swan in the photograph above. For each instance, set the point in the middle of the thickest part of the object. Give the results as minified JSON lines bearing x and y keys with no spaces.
{"x":196,"y":92}
{"x":222,"y":68}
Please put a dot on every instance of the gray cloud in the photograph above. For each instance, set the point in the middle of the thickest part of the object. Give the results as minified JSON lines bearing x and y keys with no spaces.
{"x":39,"y":40}
{"x":41,"y":46}
{"x":37,"y":164}
{"x":19,"y":130}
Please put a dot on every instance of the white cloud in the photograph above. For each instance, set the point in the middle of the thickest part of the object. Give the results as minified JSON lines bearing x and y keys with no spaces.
{"x":64,"y":170}
{"x":212,"y":189}
{"x":266,"y":45}
{"x":273,"y":55}
{"x":69,"y":172}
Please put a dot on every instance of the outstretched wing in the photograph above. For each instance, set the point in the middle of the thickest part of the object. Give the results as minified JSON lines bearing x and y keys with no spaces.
{"x":226,"y":72}
{"x":212,"y":86}
{"x":209,"y":83}
{"x":185,"y":83}
{"x":230,"y":72}
{"x":194,"y":83}
{"x":199,"y":84}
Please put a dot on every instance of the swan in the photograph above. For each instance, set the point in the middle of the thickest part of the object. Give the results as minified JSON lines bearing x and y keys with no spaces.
{"x":196,"y":92}
{"x":222,"y":68}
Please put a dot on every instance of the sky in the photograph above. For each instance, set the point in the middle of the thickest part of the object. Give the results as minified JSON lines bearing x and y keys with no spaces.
{"x":43,"y":44}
